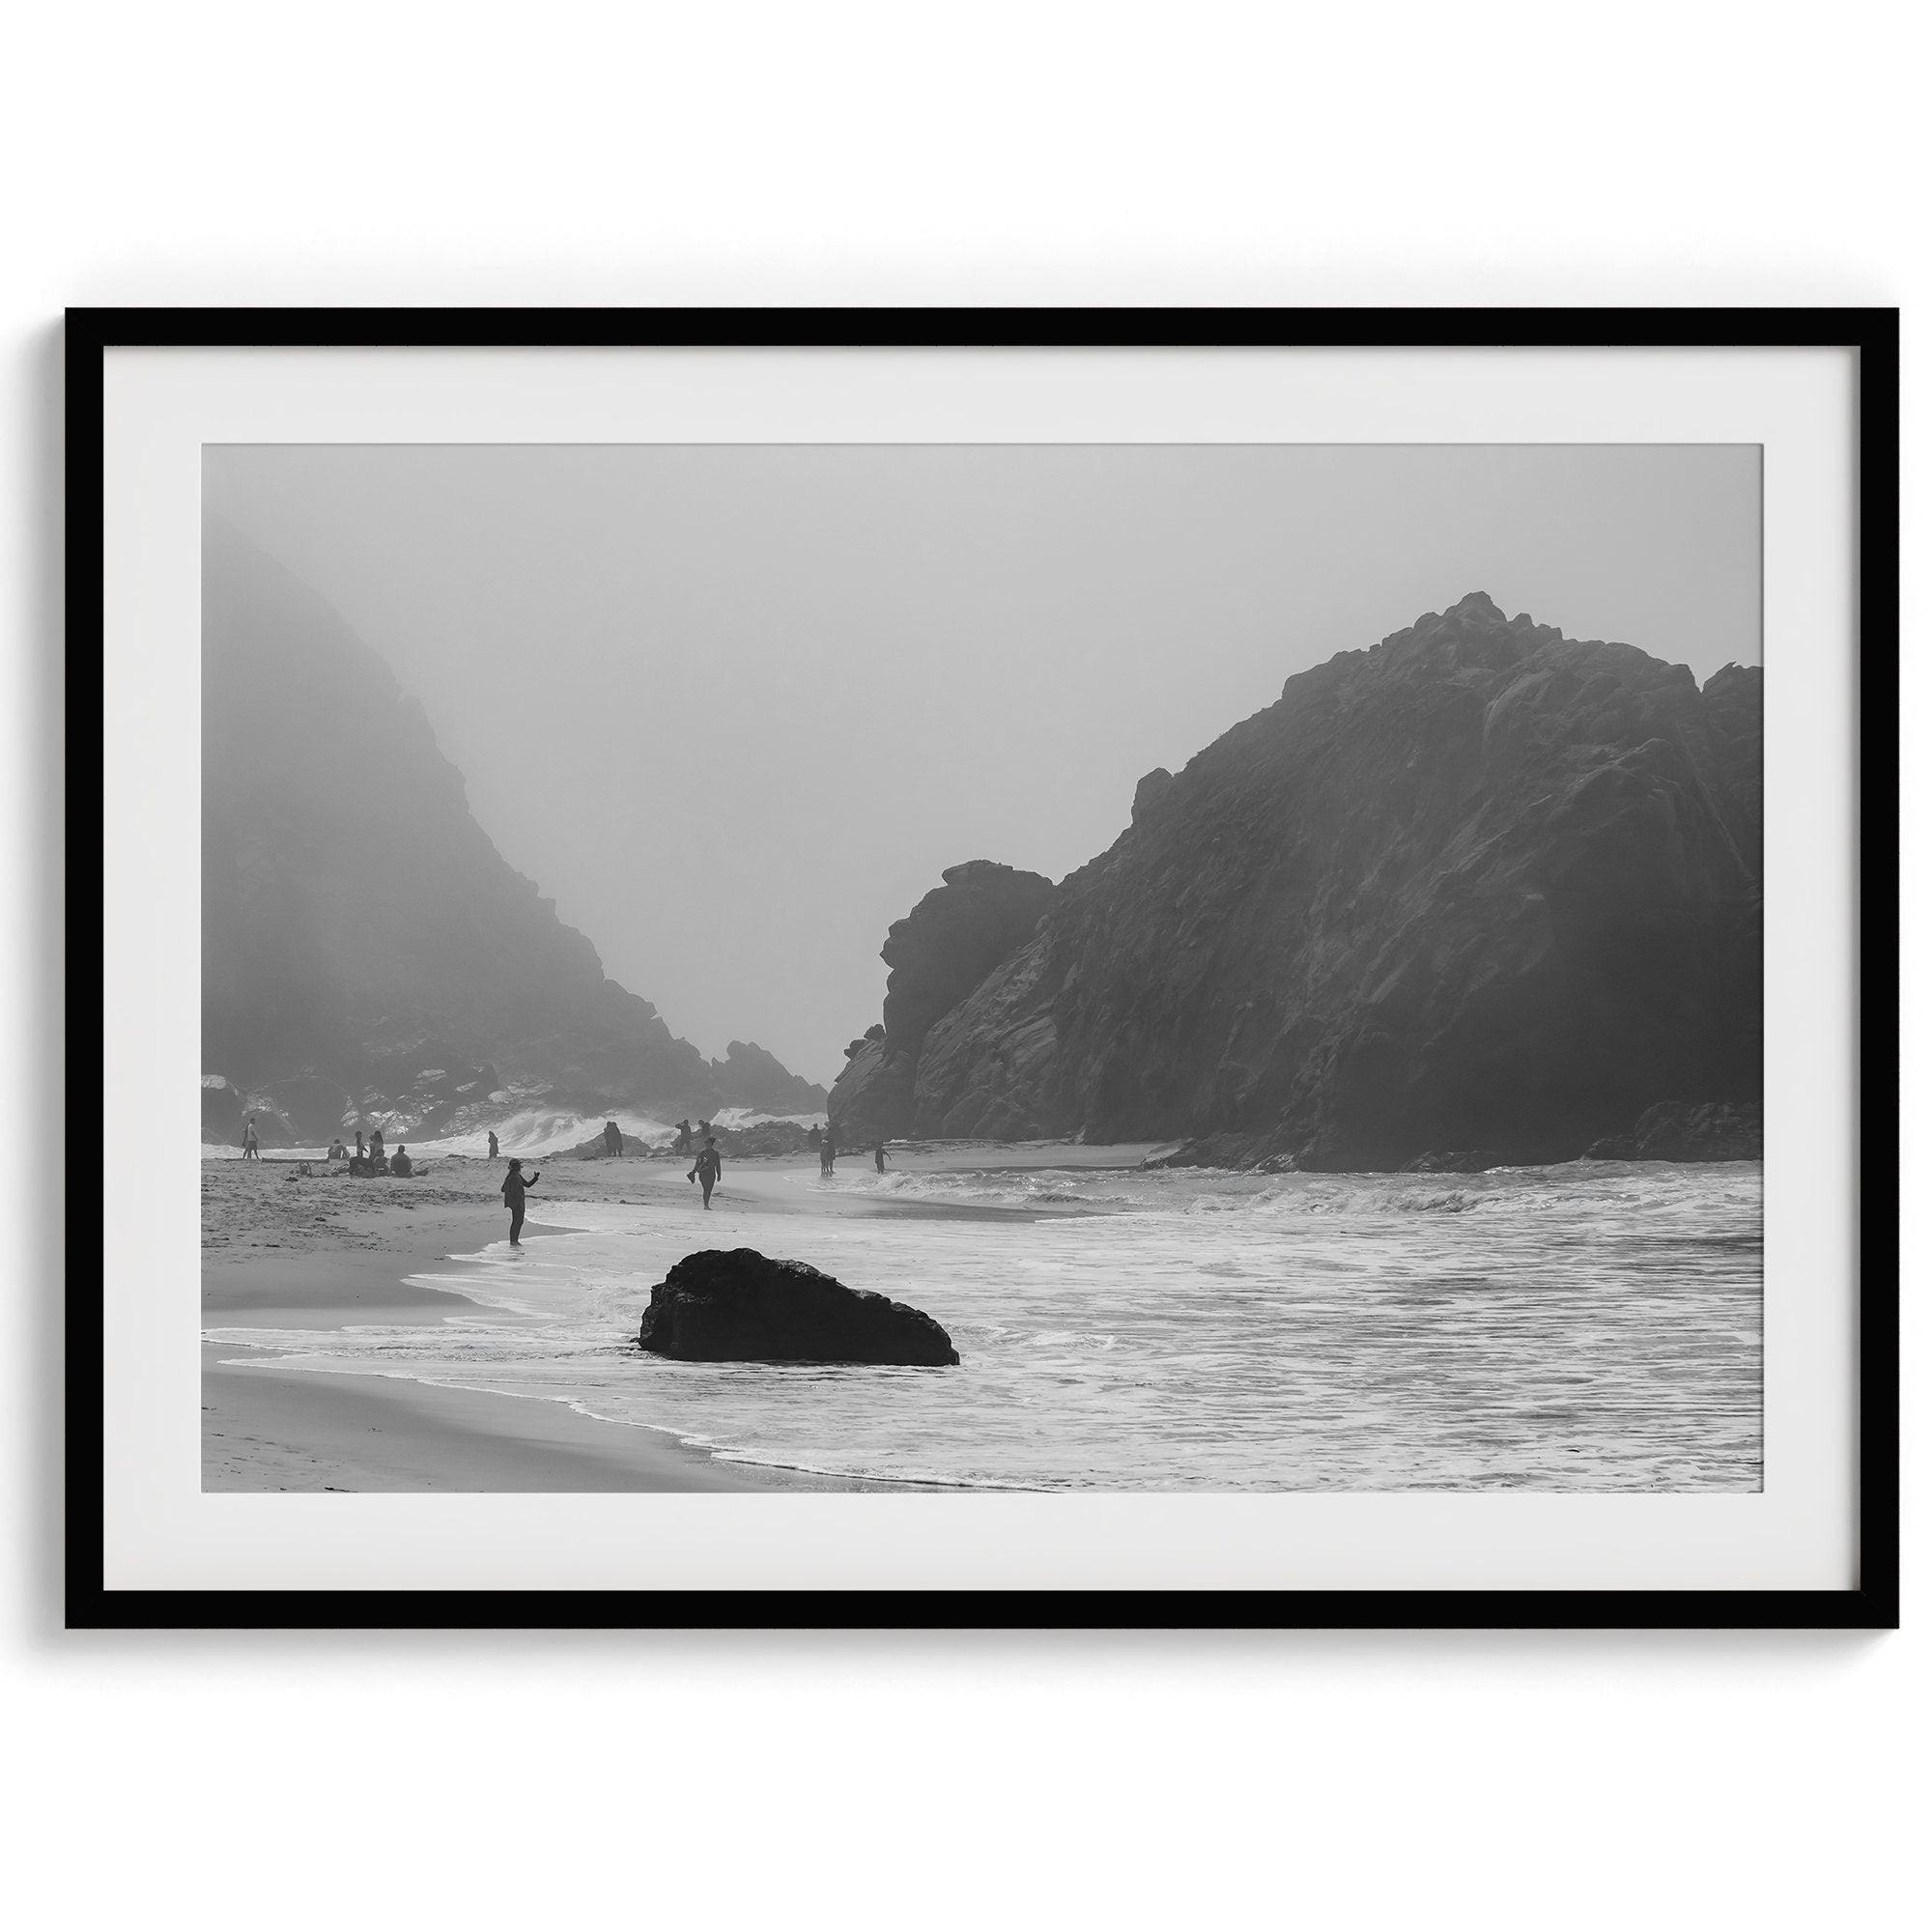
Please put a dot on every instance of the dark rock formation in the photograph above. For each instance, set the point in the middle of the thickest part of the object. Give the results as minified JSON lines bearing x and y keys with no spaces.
{"x":943,"y":948}
{"x":758,"y":1140}
{"x":1677,"y":1131}
{"x":1149,"y":792}
{"x":737,"y":1306}
{"x":1481,"y":887}
{"x":366,"y":950}
{"x":748,"y":1076}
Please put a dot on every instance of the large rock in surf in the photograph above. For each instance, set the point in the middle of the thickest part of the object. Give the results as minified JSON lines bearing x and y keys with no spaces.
{"x":1481,"y":887}
{"x":738,"y":1306}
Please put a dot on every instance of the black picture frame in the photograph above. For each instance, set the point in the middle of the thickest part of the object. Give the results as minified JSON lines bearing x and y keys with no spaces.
{"x":1871,"y":333}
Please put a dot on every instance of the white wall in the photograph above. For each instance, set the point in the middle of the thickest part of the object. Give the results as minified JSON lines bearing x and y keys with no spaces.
{"x":1487,"y":153}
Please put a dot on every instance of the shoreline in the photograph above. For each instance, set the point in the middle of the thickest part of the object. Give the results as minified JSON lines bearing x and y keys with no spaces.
{"x":360,"y":1259}
{"x":297,"y":1429}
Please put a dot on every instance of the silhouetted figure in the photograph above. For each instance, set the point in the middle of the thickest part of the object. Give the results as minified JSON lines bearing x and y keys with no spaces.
{"x":813,"y":1136}
{"x":514,"y":1183}
{"x":378,"y":1159}
{"x":492,"y":1143}
{"x":252,"y":1148}
{"x":683,"y":1137}
{"x":828,"y":1152}
{"x":401,"y":1163}
{"x":710,"y":1163}
{"x":336,"y":1151}
{"x":613,"y":1139}
{"x":880,"y":1157}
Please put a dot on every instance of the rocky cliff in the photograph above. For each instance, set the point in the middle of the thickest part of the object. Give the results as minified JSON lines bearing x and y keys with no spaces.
{"x":939,"y":952}
{"x":366,"y":950}
{"x":1481,"y":886}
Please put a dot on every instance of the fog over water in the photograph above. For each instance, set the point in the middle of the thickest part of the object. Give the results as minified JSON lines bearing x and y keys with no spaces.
{"x":735,"y":709}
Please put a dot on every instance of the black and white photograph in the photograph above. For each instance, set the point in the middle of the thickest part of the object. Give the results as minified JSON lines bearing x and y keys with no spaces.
{"x":922,"y":968}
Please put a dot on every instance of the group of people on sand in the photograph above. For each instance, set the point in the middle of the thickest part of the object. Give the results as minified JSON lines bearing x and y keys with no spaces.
{"x":374,"y":1158}
{"x":689,"y":1137}
{"x":371,"y":1159}
{"x":827,"y":1144}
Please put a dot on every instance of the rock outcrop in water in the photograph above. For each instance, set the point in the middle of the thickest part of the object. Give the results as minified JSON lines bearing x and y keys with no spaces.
{"x":1481,"y":887}
{"x":365,"y":949}
{"x":738,"y":1306}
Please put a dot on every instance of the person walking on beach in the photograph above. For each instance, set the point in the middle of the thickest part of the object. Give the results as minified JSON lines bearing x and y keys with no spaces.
{"x":252,"y":1148}
{"x":492,"y":1143}
{"x":513,"y":1184}
{"x":710,"y":1164}
{"x":828,"y":1152}
{"x":880,"y":1157}
{"x":684,"y":1137}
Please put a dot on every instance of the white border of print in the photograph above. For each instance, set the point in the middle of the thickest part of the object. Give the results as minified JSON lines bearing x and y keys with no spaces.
{"x":161,"y":1532}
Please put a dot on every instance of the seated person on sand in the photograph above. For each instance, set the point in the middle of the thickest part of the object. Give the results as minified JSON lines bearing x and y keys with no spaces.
{"x":401,"y":1163}
{"x":336,"y":1151}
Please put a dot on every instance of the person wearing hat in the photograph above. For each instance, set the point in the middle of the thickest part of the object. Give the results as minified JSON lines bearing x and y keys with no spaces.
{"x":513,"y":1184}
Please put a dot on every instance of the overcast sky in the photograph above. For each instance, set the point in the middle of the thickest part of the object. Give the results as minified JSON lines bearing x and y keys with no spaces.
{"x":735,"y":708}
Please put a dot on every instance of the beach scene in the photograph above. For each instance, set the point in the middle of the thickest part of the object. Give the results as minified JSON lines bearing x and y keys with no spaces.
{"x":1329,"y":1061}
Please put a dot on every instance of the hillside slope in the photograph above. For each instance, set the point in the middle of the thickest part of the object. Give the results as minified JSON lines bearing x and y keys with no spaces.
{"x":367,"y":952}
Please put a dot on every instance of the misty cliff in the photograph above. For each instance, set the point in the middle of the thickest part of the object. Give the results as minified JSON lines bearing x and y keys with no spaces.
{"x":1479,"y":887}
{"x":366,"y":949}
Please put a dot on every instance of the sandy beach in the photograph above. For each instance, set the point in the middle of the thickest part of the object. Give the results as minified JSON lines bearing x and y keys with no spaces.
{"x":283,"y":1251}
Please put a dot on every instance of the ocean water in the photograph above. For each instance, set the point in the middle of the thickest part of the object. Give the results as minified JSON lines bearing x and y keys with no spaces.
{"x":1591,"y":1326}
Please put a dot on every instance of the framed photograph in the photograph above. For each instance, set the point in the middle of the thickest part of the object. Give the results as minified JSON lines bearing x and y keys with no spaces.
{"x":977,"y":967}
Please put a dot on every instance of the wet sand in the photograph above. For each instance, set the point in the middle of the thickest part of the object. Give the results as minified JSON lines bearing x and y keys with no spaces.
{"x":283,"y":1251}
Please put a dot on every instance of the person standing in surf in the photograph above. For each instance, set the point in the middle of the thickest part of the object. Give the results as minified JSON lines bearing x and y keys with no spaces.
{"x":710,"y":1164}
{"x":828,"y":1152}
{"x":880,"y":1157}
{"x":513,"y":1184}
